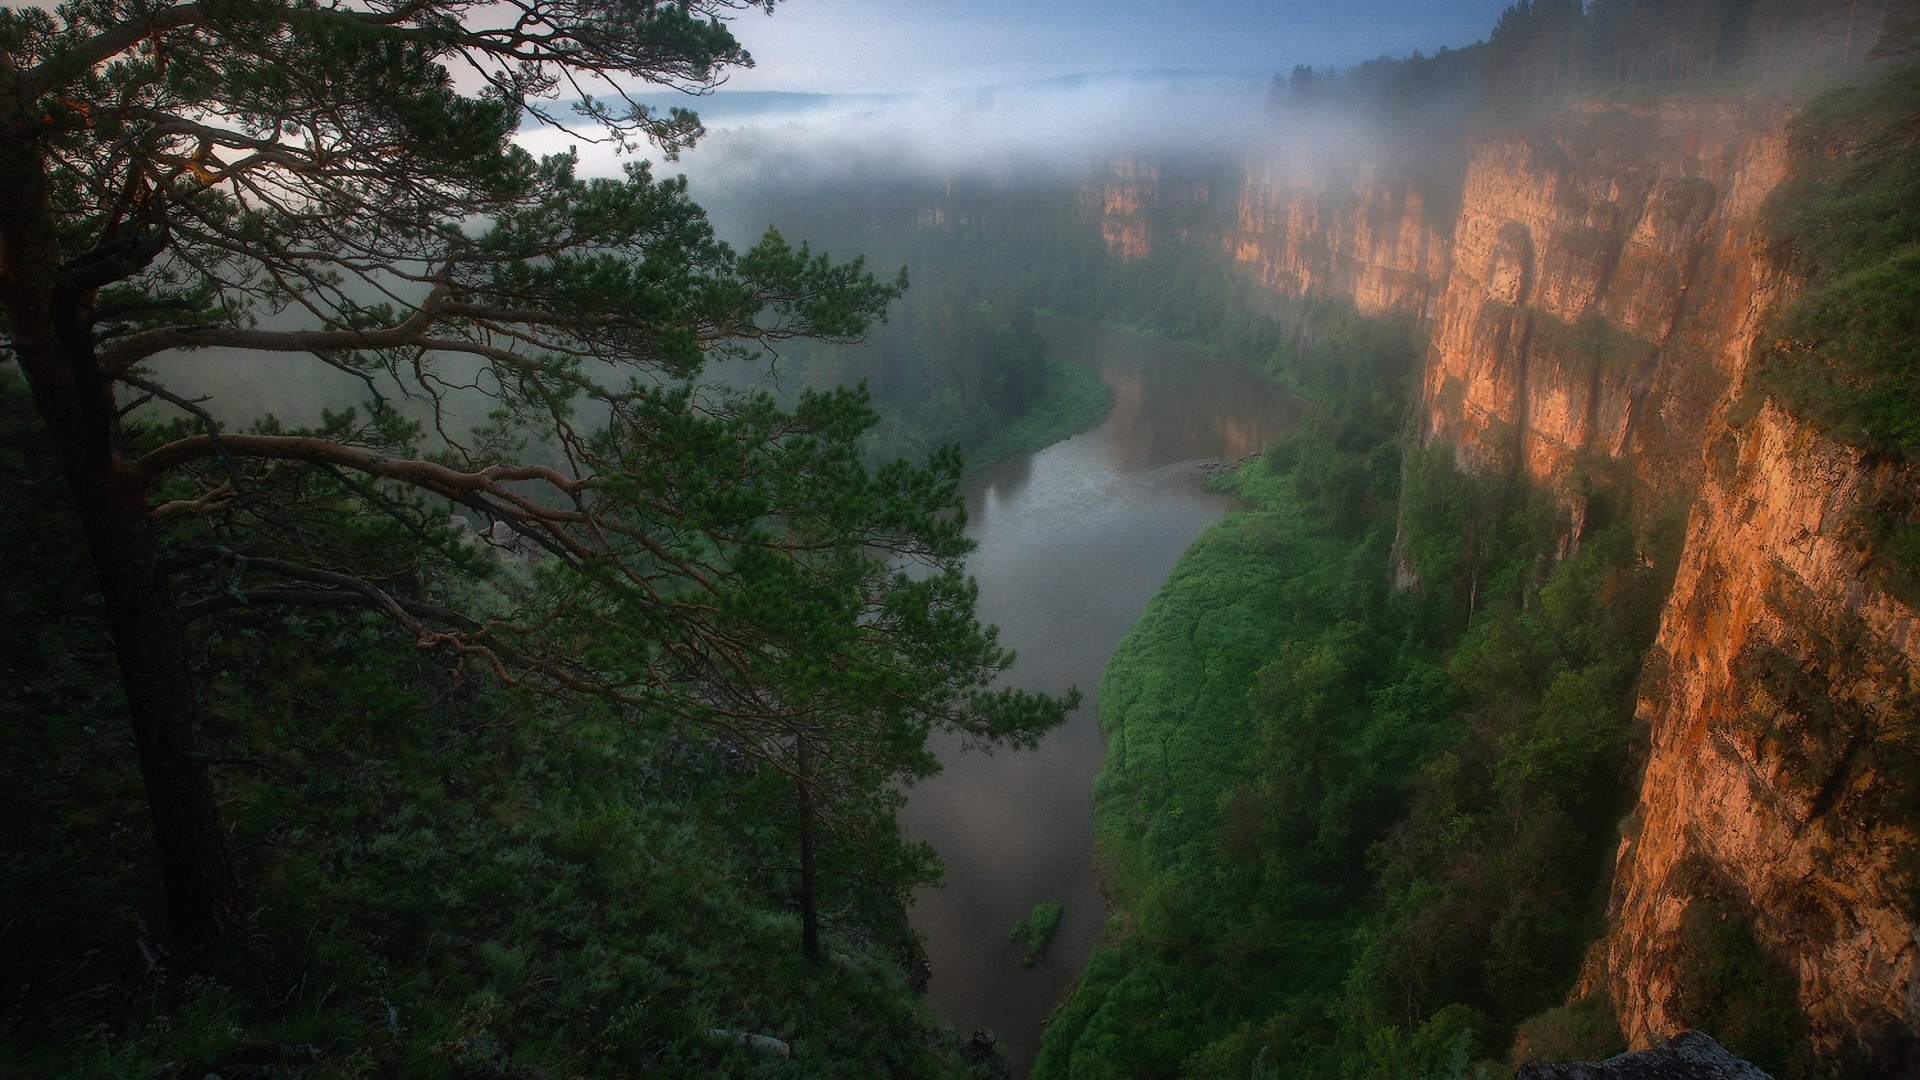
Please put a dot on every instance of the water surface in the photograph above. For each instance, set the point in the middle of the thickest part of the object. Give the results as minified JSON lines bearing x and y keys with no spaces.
{"x":1073,"y":541}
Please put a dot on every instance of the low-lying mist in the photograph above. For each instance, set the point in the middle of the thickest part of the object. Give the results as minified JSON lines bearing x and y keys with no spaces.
{"x":1042,"y":132}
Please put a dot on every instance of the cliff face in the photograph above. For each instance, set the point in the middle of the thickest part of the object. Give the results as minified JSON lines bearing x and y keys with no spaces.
{"x":1597,"y":294}
{"x":1785,"y":763}
{"x":1139,"y":208}
{"x":1358,"y":234}
{"x":1598,"y":298}
{"x":1606,"y":290}
{"x":1142,"y":204}
{"x":1126,"y":200}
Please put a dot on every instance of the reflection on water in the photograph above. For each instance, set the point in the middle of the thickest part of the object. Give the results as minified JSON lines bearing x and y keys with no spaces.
{"x":1001,"y":484}
{"x":1073,"y":541}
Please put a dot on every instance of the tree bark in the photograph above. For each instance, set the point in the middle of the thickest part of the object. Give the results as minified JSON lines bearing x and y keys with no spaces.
{"x":47,"y":327}
{"x":809,"y":895}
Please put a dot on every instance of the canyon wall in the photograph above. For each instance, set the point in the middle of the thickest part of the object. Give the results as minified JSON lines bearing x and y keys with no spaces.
{"x":1596,"y":300}
{"x":1304,"y":229}
{"x":1125,"y":202}
{"x":1607,"y":286}
{"x":1139,"y":208}
{"x":1595,"y":297}
{"x":1784,"y":767}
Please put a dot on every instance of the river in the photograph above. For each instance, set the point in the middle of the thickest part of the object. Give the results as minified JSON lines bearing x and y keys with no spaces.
{"x":1074,"y":539}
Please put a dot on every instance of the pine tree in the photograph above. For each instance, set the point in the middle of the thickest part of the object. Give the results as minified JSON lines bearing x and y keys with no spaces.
{"x":287,"y":179}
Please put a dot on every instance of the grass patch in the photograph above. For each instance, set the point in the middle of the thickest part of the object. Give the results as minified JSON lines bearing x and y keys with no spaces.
{"x":1849,"y":222}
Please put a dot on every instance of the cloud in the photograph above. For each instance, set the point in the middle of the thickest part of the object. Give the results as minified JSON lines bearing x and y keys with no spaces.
{"x":1051,"y":126}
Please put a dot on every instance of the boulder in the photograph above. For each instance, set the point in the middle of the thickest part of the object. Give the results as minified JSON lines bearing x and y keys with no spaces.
{"x":1690,"y":1055}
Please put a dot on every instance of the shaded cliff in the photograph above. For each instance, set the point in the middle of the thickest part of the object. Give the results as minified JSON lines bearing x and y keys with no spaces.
{"x":1125,"y":200}
{"x":1142,"y":204}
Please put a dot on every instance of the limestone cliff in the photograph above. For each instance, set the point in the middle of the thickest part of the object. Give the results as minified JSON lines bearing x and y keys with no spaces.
{"x":1606,"y":290}
{"x":1785,"y":764}
{"x":1597,"y":294}
{"x":1598,"y":298}
{"x":1141,"y":204}
{"x":1305,"y":229}
{"x":1126,"y":200}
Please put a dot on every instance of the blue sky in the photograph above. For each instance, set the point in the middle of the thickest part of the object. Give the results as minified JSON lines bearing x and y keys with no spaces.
{"x":892,"y":45}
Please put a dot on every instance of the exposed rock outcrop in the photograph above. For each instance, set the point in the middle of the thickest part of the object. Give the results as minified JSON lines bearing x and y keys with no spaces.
{"x":1606,"y":290}
{"x":1127,"y":199}
{"x":1690,"y":1056}
{"x":1139,"y":207}
{"x":1597,"y":294}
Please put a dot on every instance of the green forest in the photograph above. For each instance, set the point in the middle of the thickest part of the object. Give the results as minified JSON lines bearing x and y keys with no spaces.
{"x":1356,"y":830}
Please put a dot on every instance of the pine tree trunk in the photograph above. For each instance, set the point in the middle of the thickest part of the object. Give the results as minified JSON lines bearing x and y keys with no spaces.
{"x":809,"y":896}
{"x":46,"y":324}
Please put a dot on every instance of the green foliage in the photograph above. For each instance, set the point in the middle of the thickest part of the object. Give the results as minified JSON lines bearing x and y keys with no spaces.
{"x":1733,"y":988}
{"x":959,"y":359}
{"x":1539,"y":47}
{"x":1074,"y":399}
{"x":1850,"y":223}
{"x":444,"y":880}
{"x":952,"y":367}
{"x":1585,"y":1030}
{"x":279,"y":178}
{"x":1033,"y":934}
{"x":1591,"y":346}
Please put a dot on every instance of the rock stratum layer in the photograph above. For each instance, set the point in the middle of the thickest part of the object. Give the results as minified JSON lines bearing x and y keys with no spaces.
{"x":1597,"y":300}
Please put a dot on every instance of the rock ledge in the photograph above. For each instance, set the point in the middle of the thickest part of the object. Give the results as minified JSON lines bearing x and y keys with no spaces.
{"x":1690,"y":1055}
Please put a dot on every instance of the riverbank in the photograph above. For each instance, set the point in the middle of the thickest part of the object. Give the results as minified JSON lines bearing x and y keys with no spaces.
{"x":1074,"y":539}
{"x":1074,"y":400}
{"x":1180,"y":722}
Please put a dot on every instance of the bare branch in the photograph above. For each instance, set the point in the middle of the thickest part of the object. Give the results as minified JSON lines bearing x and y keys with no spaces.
{"x":317,"y":451}
{"x":292,"y":597}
